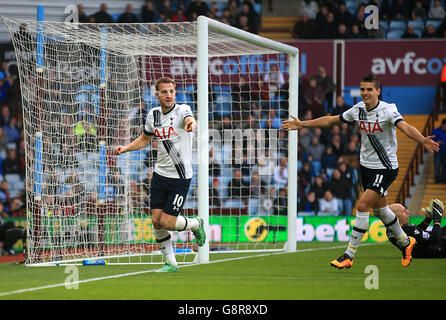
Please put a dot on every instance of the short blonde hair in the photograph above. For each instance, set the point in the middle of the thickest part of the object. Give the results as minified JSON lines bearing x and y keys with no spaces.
{"x":164,"y":80}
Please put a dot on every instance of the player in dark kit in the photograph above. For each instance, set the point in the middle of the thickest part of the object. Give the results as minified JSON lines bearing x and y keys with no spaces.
{"x":430,"y":244}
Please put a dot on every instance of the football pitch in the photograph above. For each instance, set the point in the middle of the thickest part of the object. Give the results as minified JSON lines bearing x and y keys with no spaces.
{"x":306,"y":274}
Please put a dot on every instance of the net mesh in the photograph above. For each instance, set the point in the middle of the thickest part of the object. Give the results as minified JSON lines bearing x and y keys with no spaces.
{"x":88,"y":87}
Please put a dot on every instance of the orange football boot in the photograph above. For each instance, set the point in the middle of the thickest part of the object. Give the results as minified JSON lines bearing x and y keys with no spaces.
{"x":407,"y":252}
{"x":342,"y":262}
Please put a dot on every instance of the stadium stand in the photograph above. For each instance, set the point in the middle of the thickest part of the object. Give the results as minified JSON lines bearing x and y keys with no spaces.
{"x":396,"y":25}
{"x":406,"y":148}
{"x":435,"y":23}
{"x":426,"y":187}
{"x":417,"y":24}
{"x":394,"y":34}
{"x":278,"y":28}
{"x":54,"y":10}
{"x":432,"y":188}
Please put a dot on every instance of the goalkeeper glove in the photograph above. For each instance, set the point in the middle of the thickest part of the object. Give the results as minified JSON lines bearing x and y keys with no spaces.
{"x":427,"y":212}
{"x":437,"y":208}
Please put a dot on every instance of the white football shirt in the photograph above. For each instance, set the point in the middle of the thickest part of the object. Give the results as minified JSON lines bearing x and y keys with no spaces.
{"x":378,"y":133}
{"x":174,"y":159}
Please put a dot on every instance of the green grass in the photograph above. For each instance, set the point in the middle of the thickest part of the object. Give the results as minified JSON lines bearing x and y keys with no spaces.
{"x":305,"y":274}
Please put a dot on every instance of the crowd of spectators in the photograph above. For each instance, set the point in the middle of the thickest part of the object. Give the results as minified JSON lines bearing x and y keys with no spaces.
{"x":243,"y":14}
{"x":440,"y":156}
{"x":12,"y":148}
{"x":327,"y":158}
{"x":339,"y":19}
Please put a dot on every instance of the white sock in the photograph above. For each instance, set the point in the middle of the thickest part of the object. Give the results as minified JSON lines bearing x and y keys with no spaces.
{"x":184,"y":223}
{"x":359,"y":229}
{"x":391,"y":222}
{"x":164,"y":241}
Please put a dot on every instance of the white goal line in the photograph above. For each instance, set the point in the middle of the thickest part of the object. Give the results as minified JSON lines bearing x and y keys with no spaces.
{"x":153,"y":270}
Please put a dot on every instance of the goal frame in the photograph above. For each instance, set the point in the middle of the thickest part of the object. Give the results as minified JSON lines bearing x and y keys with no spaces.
{"x":204,"y":24}
{"x":203,"y":27}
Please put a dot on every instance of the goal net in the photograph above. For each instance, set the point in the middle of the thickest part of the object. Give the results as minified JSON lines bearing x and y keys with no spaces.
{"x":88,"y":87}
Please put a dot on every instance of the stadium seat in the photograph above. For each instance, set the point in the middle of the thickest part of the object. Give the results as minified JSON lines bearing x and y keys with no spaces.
{"x":90,"y":180}
{"x":184,"y":95}
{"x":417,"y":24}
{"x":115,"y":16}
{"x":316,"y":168}
{"x":223,"y":99}
{"x":82,"y":98}
{"x":257,"y":8}
{"x":227,"y":156}
{"x":435,"y":23}
{"x":253,"y":206}
{"x":15,"y":183}
{"x":181,"y":97}
{"x":219,"y":88}
{"x":81,"y":157}
{"x":174,"y":6}
{"x":218,"y":153}
{"x":306,"y":214}
{"x":329,"y":172}
{"x":327,"y":214}
{"x":418,"y":32}
{"x":122,"y":165}
{"x":384,"y":25}
{"x":224,"y":181}
{"x":394,"y":35}
{"x":340,"y":205}
{"x":221,"y":5}
{"x":397,"y":25}
{"x":92,"y":157}
{"x":190,"y":203}
{"x":226,"y":172}
{"x":265,"y":206}
{"x":149,"y":99}
{"x":352,"y":6}
{"x":355,"y":175}
{"x":234,"y":203}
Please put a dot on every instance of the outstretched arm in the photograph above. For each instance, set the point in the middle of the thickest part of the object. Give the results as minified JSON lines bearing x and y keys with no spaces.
{"x":189,"y":124}
{"x":322,"y":122}
{"x":137,"y":144}
{"x":415,"y":135}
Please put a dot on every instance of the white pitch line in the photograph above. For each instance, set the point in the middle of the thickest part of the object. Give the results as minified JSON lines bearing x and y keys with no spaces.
{"x":75,"y":282}
{"x":148,"y":271}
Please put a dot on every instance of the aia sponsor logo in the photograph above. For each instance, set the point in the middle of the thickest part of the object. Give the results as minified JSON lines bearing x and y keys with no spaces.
{"x":165,"y":133}
{"x":369,"y":127}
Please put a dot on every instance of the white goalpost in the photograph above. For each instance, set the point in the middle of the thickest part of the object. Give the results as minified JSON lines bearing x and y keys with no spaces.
{"x":204,"y":25}
{"x":88,"y":87}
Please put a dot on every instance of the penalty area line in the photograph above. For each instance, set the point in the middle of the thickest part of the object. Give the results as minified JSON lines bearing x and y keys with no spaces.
{"x":122,"y":275}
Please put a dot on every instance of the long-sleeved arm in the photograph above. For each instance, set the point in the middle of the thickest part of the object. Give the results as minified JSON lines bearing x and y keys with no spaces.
{"x":415,"y":135}
{"x":139,"y":143}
